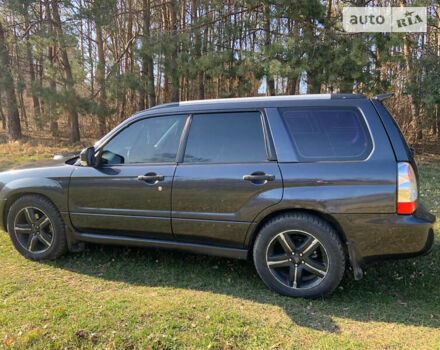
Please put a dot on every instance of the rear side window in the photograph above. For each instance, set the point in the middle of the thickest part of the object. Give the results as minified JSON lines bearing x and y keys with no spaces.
{"x":325,"y":134}
{"x":226,"y":138}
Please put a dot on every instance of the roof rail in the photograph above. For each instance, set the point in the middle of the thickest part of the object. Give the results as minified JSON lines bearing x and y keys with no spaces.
{"x":383,"y":97}
{"x":347,"y":96}
{"x":165,"y":105}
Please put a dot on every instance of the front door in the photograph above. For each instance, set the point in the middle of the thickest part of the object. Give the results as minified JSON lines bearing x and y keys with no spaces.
{"x":130,"y":192}
{"x":225,"y":179}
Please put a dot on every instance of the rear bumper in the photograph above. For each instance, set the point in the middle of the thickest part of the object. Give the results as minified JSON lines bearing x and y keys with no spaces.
{"x":379,"y":236}
{"x":425,"y":250}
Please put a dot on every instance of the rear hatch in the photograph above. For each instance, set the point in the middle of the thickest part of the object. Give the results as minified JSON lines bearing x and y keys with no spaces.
{"x":408,"y":175}
{"x":401,"y":149}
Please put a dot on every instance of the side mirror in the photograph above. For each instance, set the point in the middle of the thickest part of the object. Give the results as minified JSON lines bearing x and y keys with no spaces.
{"x":87,"y":157}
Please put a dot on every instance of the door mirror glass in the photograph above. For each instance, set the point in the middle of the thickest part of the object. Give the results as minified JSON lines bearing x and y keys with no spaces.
{"x":87,"y":157}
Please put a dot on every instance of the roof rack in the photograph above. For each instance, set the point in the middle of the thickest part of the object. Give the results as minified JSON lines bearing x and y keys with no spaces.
{"x":165,"y":105}
{"x":262,"y":99}
{"x":383,"y":97}
{"x":347,"y":96}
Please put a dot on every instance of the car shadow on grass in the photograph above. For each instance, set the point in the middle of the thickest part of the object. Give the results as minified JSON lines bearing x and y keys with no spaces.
{"x":405,"y":291}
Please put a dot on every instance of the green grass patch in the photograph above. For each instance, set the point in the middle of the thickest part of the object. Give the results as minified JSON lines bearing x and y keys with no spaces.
{"x":125,"y":298}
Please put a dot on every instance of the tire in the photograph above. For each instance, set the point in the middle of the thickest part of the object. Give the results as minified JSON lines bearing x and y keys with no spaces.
{"x":299,"y":255}
{"x":36,"y":228}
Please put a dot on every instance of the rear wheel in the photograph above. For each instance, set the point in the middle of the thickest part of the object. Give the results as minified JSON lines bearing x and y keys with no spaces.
{"x":36,"y":228}
{"x":299,"y":255}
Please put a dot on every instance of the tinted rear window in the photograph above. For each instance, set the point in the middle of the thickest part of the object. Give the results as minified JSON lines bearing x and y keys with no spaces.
{"x":321,"y":134}
{"x":226,"y":138}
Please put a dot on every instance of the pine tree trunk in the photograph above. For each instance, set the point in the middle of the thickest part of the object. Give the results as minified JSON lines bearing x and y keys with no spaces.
{"x":438,"y":57}
{"x":35,"y":100}
{"x":197,"y":50}
{"x":123,"y":107}
{"x":438,"y":120}
{"x":313,"y":84}
{"x":159,"y":83}
{"x":19,"y":76}
{"x":415,"y":106}
{"x":174,"y":76}
{"x":151,"y":90}
{"x":2,"y":115}
{"x":270,"y":82}
{"x":53,"y":117}
{"x":22,"y":106}
{"x":166,"y":94}
{"x":7,"y":82}
{"x":129,"y":56}
{"x":100,"y":76}
{"x":73,"y":114}
{"x":206,"y":48}
{"x":147,"y":61}
{"x":51,"y":57}
{"x":91,"y":61}
{"x":292,"y":86}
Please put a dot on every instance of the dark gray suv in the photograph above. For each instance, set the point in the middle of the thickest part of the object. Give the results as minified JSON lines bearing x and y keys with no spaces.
{"x":300,"y":184}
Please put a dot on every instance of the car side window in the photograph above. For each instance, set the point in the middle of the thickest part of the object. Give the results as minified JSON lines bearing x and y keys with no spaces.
{"x":328,"y":134}
{"x":150,"y":140}
{"x":234,"y":137}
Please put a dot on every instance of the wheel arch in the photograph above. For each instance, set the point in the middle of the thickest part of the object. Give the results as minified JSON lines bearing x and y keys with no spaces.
{"x":323,"y":216}
{"x":49,"y":189}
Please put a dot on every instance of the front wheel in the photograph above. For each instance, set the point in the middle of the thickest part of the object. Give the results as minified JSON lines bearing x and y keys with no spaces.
{"x":299,"y":255}
{"x":36,"y":228}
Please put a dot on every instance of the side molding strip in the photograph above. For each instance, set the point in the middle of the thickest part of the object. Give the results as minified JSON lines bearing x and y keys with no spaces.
{"x":233,"y":253}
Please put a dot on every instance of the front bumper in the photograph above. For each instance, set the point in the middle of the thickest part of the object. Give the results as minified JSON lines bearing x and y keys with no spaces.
{"x":377,"y":236}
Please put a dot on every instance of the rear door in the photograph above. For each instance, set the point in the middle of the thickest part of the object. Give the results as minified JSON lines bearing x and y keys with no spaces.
{"x":227,"y":175}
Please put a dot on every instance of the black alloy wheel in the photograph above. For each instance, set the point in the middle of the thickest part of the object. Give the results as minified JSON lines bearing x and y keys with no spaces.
{"x":36,"y":228}
{"x":299,"y":255}
{"x":297,"y":259}
{"x":33,"y":230}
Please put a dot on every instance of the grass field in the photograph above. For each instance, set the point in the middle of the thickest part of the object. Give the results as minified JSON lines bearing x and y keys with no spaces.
{"x":120,"y":298}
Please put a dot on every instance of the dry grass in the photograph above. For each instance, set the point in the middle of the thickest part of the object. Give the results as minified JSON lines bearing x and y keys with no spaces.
{"x":17,"y":153}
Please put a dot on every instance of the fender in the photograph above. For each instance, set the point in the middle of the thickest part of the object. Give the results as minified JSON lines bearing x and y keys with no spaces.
{"x":55,"y":190}
{"x":326,"y":201}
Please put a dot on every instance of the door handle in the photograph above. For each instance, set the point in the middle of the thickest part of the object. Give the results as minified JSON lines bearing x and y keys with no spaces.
{"x":259,"y":178}
{"x":151,"y":178}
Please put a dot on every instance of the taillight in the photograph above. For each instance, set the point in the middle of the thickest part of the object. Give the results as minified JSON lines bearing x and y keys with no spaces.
{"x":406,"y":189}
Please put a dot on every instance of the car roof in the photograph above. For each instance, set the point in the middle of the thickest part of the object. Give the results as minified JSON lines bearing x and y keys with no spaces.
{"x":230,"y":104}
